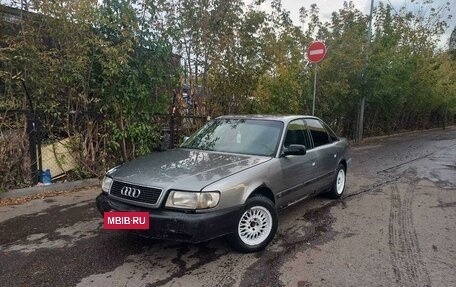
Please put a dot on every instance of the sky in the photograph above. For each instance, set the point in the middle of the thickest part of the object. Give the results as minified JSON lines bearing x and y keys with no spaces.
{"x":329,"y":6}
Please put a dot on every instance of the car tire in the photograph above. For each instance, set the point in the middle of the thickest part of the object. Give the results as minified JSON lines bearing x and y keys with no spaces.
{"x":255,"y":226}
{"x":338,"y":186}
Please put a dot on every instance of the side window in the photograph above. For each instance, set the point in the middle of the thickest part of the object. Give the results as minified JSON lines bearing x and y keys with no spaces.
{"x":318,"y":132}
{"x":297,"y":134}
{"x":331,"y":133}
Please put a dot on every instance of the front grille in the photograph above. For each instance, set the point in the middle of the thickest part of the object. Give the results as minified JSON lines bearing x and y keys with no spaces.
{"x":148,"y":195}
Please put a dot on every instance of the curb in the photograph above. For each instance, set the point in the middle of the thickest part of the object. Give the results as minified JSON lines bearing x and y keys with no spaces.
{"x":368,"y":140}
{"x":61,"y":186}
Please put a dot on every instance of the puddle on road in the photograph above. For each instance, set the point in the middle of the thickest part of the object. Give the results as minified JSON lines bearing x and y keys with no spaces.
{"x":29,"y":233}
{"x":294,"y":239}
{"x":164,"y":263}
{"x":110,"y":257}
{"x":437,"y":168}
{"x":60,"y":238}
{"x":161,"y":263}
{"x":14,"y":230}
{"x":66,"y":264}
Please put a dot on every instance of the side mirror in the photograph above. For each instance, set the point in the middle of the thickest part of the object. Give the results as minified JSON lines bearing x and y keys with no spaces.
{"x":185,"y":139}
{"x":294,"y":149}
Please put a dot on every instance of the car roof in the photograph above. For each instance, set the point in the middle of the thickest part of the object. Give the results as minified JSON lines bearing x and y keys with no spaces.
{"x":283,"y":118}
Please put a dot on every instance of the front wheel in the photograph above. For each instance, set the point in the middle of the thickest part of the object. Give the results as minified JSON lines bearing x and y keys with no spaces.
{"x":339,"y":183}
{"x":256,"y":226}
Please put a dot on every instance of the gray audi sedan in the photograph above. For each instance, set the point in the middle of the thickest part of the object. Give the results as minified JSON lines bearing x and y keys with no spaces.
{"x":230,"y":178}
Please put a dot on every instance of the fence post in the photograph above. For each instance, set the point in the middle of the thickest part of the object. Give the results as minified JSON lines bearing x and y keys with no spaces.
{"x":177,"y":133}
{"x":38,"y":145}
{"x":31,"y":131}
{"x":171,"y":131}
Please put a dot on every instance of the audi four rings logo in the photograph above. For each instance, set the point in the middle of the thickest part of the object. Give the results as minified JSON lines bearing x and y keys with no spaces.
{"x":130,"y":191}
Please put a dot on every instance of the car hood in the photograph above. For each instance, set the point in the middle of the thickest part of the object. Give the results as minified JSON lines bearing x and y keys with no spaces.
{"x":183,"y":169}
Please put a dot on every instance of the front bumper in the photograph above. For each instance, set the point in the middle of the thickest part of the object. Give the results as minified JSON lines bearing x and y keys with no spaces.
{"x":178,"y":225}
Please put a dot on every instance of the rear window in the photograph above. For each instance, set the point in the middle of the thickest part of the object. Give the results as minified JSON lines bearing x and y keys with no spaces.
{"x":318,"y":132}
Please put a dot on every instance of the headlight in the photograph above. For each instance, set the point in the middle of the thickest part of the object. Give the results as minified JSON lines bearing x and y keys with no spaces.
{"x":106,"y":184}
{"x":192,"y":200}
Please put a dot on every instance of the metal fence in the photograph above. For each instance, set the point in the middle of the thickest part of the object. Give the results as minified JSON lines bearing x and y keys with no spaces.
{"x":28,"y":147}
{"x":19,"y":143}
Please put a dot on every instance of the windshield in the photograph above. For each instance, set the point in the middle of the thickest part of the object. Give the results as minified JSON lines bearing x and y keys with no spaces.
{"x":244,"y":136}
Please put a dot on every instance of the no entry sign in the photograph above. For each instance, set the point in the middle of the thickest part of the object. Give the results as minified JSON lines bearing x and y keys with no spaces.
{"x":316,"y":52}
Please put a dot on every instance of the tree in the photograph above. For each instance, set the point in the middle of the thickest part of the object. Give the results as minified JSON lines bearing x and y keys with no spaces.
{"x":452,"y":43}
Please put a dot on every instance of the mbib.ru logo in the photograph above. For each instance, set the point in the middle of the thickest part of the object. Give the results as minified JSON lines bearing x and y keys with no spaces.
{"x":126,"y":220}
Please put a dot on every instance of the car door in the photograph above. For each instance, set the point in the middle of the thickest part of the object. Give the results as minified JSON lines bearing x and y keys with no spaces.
{"x":325,"y":152}
{"x":297,"y":171}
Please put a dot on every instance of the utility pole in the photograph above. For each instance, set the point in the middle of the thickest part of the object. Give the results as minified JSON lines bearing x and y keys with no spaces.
{"x":359,"y":135}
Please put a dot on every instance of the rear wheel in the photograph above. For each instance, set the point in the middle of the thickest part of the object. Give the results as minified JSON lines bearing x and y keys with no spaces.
{"x":339,"y":183}
{"x":256,"y":226}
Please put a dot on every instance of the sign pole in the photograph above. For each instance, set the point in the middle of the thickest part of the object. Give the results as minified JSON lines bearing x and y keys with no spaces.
{"x":315,"y":89}
{"x":315,"y":53}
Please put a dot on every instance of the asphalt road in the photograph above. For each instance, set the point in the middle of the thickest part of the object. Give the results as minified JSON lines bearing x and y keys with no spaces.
{"x":395,"y":226}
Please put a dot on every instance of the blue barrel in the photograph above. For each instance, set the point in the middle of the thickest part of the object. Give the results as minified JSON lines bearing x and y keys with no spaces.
{"x":46,"y":178}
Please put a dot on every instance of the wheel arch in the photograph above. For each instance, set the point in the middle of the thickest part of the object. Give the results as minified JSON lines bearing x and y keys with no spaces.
{"x":263,"y":190}
{"x":344,"y":163}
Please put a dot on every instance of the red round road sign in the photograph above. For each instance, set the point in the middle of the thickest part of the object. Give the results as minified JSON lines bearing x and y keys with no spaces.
{"x":316,"y":52}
